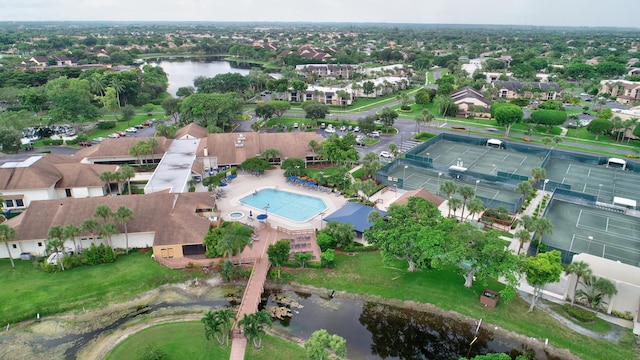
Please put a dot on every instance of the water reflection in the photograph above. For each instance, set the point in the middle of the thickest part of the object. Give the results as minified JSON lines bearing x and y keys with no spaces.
{"x":377,"y":331}
{"x":181,"y":71}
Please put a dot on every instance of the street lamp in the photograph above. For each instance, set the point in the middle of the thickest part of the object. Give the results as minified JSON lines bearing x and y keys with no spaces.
{"x":438,"y":189}
{"x":321,"y":173}
{"x":321,"y":215}
{"x":544,"y":185}
{"x":599,"y":189}
{"x":344,"y":183}
{"x":590,"y":238}
{"x":297,"y":169}
{"x":477,"y":182}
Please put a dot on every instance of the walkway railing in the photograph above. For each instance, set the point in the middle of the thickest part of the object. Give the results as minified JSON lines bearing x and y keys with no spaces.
{"x":295,"y":232}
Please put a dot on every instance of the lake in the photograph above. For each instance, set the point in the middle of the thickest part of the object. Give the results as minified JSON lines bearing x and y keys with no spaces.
{"x":379,"y":331}
{"x":182,"y":71}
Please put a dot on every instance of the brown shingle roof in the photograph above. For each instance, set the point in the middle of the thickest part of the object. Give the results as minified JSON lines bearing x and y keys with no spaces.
{"x":81,"y":175}
{"x":193,"y":129}
{"x":39,"y":175}
{"x":423,"y":193}
{"x":120,"y":147}
{"x":223,"y":146}
{"x":156,"y":212}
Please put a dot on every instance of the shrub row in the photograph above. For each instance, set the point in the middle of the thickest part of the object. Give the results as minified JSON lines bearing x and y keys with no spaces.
{"x":580,"y":314}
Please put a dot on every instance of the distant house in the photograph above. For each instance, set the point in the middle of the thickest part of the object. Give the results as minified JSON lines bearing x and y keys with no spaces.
{"x":516,"y":89}
{"x":470,"y":102}
{"x":63,"y":60}
{"x":44,"y":177}
{"x":626,"y":92}
{"x":40,"y":61}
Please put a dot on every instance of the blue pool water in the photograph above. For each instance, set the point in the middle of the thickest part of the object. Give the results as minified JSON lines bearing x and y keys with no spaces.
{"x":294,"y":207}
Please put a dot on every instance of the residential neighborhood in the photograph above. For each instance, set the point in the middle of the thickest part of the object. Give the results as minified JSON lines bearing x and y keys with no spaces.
{"x":497,"y":167}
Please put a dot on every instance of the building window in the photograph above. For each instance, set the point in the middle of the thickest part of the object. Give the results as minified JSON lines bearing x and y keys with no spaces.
{"x":19,"y":203}
{"x":9,"y":203}
{"x":14,"y":203}
{"x":14,"y":246}
{"x":67,"y":192}
{"x":40,"y":243}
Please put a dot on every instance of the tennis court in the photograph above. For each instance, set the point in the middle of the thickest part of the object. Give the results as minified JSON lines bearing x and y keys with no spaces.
{"x":417,"y":177}
{"x":582,"y":229}
{"x":482,"y":159}
{"x":596,"y":180}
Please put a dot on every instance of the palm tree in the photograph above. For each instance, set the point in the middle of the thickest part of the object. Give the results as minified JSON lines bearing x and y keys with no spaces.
{"x":123,"y":215}
{"x":596,"y":289}
{"x":103,"y":212}
{"x":117,"y":85}
{"x":314,"y":146}
{"x":135,"y":152}
{"x":542,"y":226}
{"x":270,"y":154}
{"x":537,"y":174}
{"x":90,"y":225}
{"x":556,"y":139}
{"x":8,"y":233}
{"x":448,"y":187}
{"x":253,"y":325}
{"x":475,"y":206}
{"x":393,"y":148}
{"x":582,"y":271}
{"x":106,"y":231}
{"x":70,"y":232}
{"x":524,"y":188}
{"x":107,"y":177}
{"x":467,"y":192}
{"x":127,"y":173}
{"x":523,"y":235}
{"x":454,"y":204}
{"x":213,"y":327}
{"x":55,"y":242}
{"x":371,"y":164}
{"x":226,"y":317}
{"x":152,"y":142}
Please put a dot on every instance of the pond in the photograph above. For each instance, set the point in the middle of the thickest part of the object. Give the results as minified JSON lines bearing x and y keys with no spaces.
{"x":182,"y":71}
{"x":378,"y":331}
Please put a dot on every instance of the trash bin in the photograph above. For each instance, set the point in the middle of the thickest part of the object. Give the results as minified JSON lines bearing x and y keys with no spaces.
{"x":25,"y":256}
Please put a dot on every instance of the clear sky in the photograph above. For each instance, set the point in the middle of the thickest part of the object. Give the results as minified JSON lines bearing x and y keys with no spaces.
{"x":621,"y":13}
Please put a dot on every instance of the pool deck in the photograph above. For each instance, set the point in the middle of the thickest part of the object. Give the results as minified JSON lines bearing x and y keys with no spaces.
{"x":246,"y":184}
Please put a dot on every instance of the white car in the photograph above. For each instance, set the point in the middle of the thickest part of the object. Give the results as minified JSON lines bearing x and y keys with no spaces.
{"x":113,"y":136}
{"x":343,"y":128}
{"x":132,"y":130}
{"x":356,"y":129}
{"x":296,"y":125}
{"x":330,"y":130}
{"x":375,"y":134}
{"x":386,"y":154}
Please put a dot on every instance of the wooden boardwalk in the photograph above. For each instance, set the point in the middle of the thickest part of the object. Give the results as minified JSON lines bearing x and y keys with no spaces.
{"x":253,"y":291}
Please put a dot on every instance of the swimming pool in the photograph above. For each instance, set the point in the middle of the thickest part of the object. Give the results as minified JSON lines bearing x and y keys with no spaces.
{"x":291,"y":206}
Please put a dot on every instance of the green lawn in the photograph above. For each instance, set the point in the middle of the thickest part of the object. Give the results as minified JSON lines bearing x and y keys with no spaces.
{"x":366,"y":274}
{"x":186,"y":340}
{"x":28,"y":290}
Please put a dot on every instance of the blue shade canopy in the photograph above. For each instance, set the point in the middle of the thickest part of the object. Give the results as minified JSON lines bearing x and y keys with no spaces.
{"x":354,"y":214}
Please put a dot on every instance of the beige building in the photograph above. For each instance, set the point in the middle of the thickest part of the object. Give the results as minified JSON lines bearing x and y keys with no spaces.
{"x":173,"y":224}
{"x":625,"y":277}
{"x":625,"y":92}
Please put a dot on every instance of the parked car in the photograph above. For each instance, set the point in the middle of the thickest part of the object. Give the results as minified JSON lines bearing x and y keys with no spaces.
{"x":375,"y":134}
{"x":323,"y":125}
{"x":309,"y":126}
{"x":131,"y":130}
{"x":139,"y":126}
{"x":350,"y":128}
{"x":296,"y":125}
{"x":121,"y":133}
{"x":147,"y":123}
{"x":114,"y":136}
{"x":386,"y":154}
{"x":97,"y":140}
{"x":356,"y":129}
{"x":343,"y":128}
{"x":330,"y":130}
{"x":85,"y":143}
